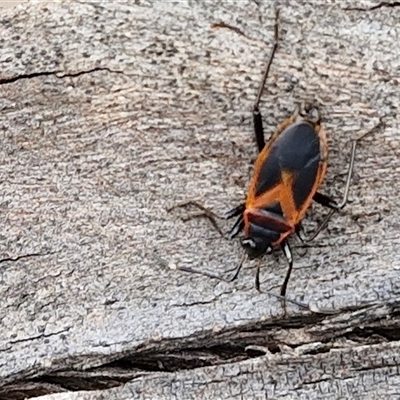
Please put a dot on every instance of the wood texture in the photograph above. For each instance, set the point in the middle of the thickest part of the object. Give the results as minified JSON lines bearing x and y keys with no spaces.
{"x":111,"y":113}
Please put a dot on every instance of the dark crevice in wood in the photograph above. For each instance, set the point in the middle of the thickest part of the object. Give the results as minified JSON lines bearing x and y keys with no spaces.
{"x":58,"y":74}
{"x":40,"y":336}
{"x":374,"y":335}
{"x":222,"y":24}
{"x":379,"y":325}
{"x":17,"y":258}
{"x":380,"y":5}
{"x":26,"y":390}
{"x":79,"y":73}
{"x":6,"y":81}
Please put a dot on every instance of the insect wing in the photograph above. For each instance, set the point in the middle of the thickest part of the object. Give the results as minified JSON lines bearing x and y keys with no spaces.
{"x":296,"y":153}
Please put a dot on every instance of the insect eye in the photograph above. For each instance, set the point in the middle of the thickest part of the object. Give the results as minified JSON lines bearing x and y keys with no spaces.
{"x":310,"y":112}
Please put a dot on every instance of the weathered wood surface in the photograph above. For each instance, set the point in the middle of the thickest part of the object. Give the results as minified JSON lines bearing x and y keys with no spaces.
{"x":109,"y":114}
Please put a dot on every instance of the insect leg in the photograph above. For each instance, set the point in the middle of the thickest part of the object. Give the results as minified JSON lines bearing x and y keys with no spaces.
{"x":239,"y":224}
{"x":288,"y":255}
{"x":238,"y":227}
{"x":238,"y":268}
{"x":301,"y":233}
{"x":328,"y":202}
{"x":257,"y":119}
{"x":235,"y":211}
{"x":190,"y":270}
{"x":257,"y":284}
{"x":305,"y":238}
{"x":204,"y":212}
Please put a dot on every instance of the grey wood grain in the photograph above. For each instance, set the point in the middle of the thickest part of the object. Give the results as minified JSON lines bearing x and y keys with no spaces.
{"x":110,"y":113}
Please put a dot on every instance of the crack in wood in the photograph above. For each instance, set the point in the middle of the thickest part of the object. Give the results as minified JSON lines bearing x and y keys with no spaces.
{"x":378,"y":6}
{"x":17,"y":258}
{"x":58,"y":74}
{"x":42,"y":335}
{"x":304,"y":336}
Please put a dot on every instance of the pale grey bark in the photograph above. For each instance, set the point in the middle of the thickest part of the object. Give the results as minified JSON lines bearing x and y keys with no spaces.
{"x":110,"y":113}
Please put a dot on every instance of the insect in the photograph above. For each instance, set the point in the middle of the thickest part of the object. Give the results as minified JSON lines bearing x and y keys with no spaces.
{"x":287,"y":174}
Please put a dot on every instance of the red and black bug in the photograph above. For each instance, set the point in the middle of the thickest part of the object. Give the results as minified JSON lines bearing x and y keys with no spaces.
{"x":288,"y":172}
